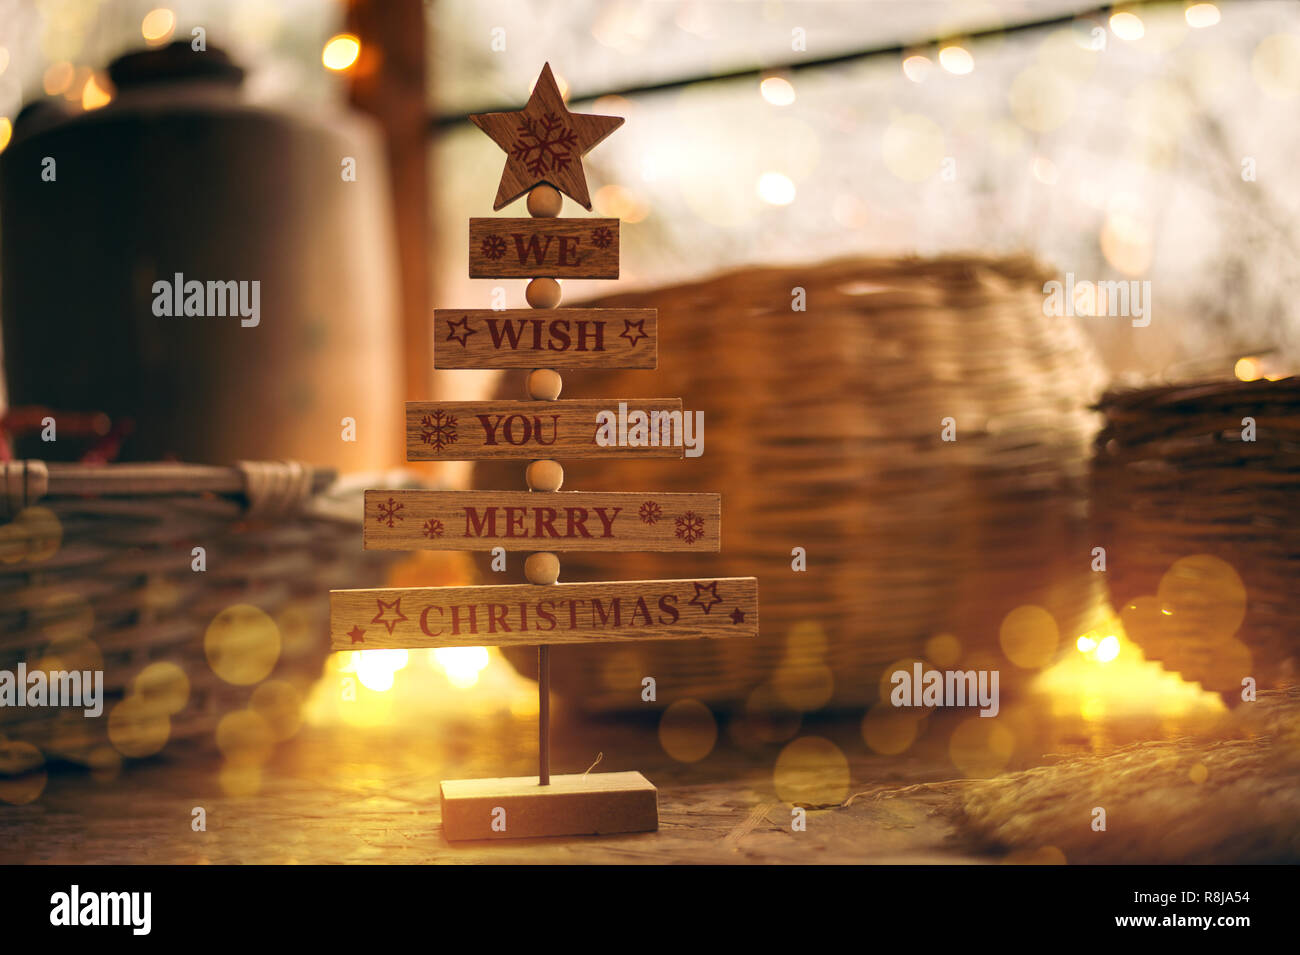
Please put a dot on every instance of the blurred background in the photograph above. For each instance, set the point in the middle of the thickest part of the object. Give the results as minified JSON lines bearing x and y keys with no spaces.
{"x":921,"y":170}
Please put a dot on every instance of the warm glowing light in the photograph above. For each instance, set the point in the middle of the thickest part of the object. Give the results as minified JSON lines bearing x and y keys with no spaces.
{"x":1127,"y":26}
{"x":956,"y":59}
{"x":1111,"y":679}
{"x":157,"y":26}
{"x":1247,"y":369}
{"x":1045,"y":170}
{"x":58,"y":77}
{"x":1201,"y":15}
{"x":618,"y":202}
{"x":341,"y":52}
{"x":376,"y":668}
{"x":1108,"y":649}
{"x":777,"y":91}
{"x":462,"y":665}
{"x":93,"y":96}
{"x":1275,"y":65}
{"x":916,"y":67}
{"x":775,"y":189}
{"x":6,"y":132}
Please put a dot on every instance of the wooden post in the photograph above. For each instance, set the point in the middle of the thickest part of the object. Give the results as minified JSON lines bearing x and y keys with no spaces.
{"x":389,"y":81}
{"x":544,"y":715}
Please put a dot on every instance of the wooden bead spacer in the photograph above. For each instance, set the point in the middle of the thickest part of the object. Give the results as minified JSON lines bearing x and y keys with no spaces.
{"x":545,"y":202}
{"x":543,"y":568}
{"x":544,"y":384}
{"x":545,"y":475}
{"x":543,"y":293}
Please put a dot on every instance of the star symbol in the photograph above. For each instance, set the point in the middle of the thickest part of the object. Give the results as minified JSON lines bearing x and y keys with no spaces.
{"x":737,"y":616}
{"x":384,"y":607}
{"x":465,"y":331}
{"x":711,"y":590}
{"x":357,"y":634}
{"x":639,"y":325}
{"x":545,"y":143}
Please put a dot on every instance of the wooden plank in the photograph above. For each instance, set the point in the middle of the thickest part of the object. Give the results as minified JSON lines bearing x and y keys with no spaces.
{"x":534,"y":520}
{"x":551,"y":338}
{"x":517,"y":807}
{"x":526,"y":614}
{"x":478,"y":430}
{"x":501,"y":248}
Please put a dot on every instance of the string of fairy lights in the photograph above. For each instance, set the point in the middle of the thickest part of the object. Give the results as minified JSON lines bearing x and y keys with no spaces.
{"x":952,"y":52}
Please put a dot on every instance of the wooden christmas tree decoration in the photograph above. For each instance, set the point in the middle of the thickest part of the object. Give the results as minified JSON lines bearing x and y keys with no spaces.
{"x":544,"y":144}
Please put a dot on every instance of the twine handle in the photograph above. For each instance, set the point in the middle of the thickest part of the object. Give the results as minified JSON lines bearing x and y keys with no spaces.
{"x":22,"y":483}
{"x":275,"y":488}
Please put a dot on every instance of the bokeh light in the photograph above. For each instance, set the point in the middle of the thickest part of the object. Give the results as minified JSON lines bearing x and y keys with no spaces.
{"x":687,"y":731}
{"x":1201,"y":15}
{"x":242,"y":644}
{"x":1205,"y":593}
{"x":462,"y":665}
{"x":916,"y":67}
{"x":777,"y":90}
{"x":162,"y":686}
{"x":157,"y":26}
{"x":137,"y":729}
{"x":1029,"y":637}
{"x":811,"y":771}
{"x":341,"y":52}
{"x":1127,"y":26}
{"x":775,"y":189}
{"x":957,"y":60}
{"x":1275,"y":65}
{"x":22,"y":772}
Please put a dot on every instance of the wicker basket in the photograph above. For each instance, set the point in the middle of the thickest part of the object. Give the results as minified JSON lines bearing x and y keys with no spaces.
{"x":1202,"y":528}
{"x":823,"y":432}
{"x":97,"y":569}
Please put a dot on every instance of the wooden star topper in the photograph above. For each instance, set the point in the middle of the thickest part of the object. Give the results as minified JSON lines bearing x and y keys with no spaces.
{"x":545,"y":143}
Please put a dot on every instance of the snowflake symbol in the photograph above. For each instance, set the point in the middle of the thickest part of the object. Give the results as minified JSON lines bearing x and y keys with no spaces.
{"x":543,"y":145}
{"x":432,"y":528}
{"x":493,"y":247}
{"x":690,"y":527}
{"x":650,"y":512}
{"x":388,"y":512}
{"x":602,"y":238}
{"x":439,"y":430}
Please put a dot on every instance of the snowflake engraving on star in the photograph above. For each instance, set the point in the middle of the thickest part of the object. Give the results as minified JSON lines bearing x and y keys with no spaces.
{"x":493,"y":247}
{"x":690,"y":527}
{"x":390,"y":511}
{"x":438,"y":430}
{"x":602,"y":237}
{"x":544,"y":145}
{"x":650,"y":512}
{"x":433,"y":528}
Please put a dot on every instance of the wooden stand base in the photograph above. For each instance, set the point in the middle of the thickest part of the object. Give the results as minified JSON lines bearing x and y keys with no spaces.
{"x":519,"y":808}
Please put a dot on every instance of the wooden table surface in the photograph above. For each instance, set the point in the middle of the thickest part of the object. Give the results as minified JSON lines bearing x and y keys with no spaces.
{"x":343,"y":793}
{"x":371,"y":796}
